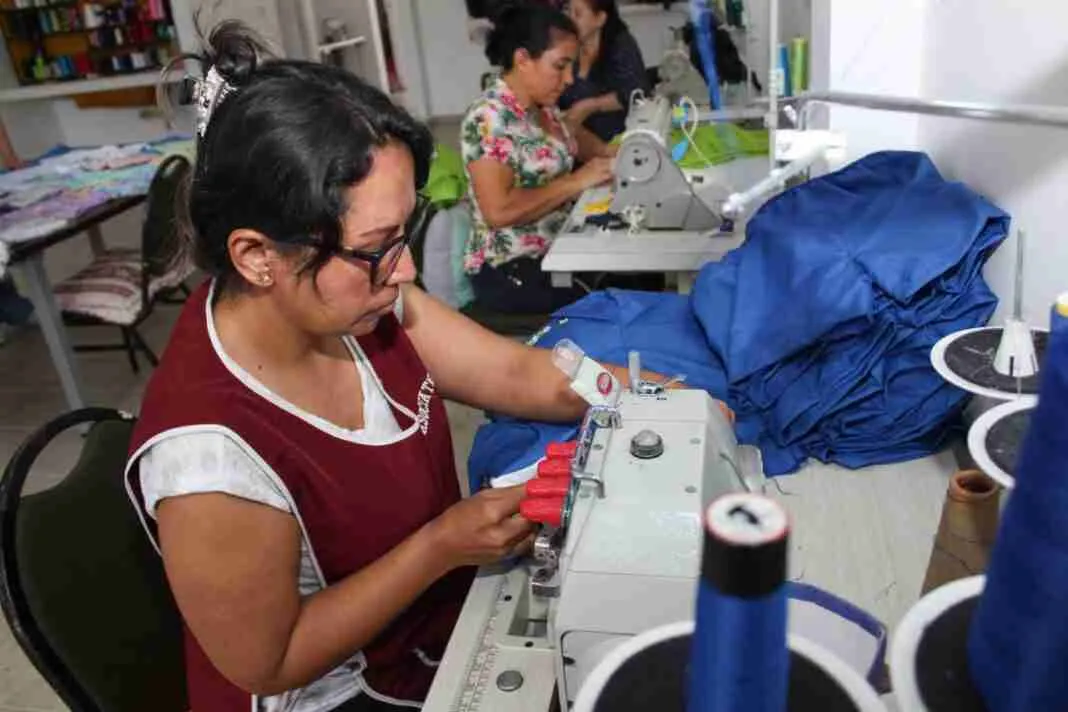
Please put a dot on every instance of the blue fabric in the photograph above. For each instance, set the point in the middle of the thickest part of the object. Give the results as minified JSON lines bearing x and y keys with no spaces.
{"x":826,"y":315}
{"x":607,"y":325}
{"x":817,"y":331}
{"x":1018,"y":642}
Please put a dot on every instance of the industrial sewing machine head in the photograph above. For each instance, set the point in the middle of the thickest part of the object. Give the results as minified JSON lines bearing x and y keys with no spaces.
{"x":650,"y":190}
{"x":619,"y":552}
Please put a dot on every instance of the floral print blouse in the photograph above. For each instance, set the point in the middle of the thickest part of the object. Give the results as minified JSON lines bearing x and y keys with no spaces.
{"x":537,"y":151}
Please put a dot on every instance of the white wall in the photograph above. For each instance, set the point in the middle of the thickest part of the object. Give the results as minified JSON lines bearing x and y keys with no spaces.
{"x":408,"y":55}
{"x":966,"y":50}
{"x":262,"y":15}
{"x":453,"y":62}
{"x":361,"y":19}
{"x":31,"y":126}
{"x":991,"y":50}
{"x":652,"y":28}
{"x":94,"y":127}
{"x":873,"y":47}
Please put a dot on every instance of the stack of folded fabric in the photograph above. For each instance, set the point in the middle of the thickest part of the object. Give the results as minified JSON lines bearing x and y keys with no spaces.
{"x":825,"y":317}
{"x":817,"y":331}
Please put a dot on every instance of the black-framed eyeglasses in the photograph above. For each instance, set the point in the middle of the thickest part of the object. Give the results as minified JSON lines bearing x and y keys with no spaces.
{"x":383,"y":261}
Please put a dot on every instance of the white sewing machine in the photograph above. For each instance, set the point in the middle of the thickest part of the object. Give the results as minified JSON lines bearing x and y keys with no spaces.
{"x":623,"y":559}
{"x":650,"y":190}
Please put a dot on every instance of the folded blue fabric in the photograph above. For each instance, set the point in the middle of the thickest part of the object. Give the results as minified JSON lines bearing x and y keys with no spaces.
{"x":826,"y":315}
{"x":817,"y":330}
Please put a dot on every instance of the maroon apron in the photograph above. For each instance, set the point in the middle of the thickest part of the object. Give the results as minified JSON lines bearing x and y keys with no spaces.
{"x":355,"y":501}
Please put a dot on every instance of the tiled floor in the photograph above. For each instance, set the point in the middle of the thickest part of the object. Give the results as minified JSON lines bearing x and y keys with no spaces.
{"x":30,"y":395}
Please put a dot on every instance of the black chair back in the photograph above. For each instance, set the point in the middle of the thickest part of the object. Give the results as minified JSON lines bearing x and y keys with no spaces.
{"x":81,"y":586}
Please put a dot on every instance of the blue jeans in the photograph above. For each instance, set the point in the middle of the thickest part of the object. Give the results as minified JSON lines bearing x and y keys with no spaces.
{"x":14,"y":308}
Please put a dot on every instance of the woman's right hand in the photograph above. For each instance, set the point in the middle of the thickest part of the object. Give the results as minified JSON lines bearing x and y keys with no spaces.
{"x":482,"y":529}
{"x":596,"y":171}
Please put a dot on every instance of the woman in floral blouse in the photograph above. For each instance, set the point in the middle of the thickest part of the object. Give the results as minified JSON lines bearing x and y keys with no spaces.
{"x":519,"y":158}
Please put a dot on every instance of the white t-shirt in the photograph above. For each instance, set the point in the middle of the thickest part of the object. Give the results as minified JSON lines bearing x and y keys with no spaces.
{"x":216,"y":460}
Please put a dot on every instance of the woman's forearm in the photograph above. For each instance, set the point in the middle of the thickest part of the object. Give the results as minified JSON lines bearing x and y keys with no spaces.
{"x":547,"y":393}
{"x":591,"y":146}
{"x":516,"y":206}
{"x":606,"y":102}
{"x":584,"y":108}
{"x":347,"y":615}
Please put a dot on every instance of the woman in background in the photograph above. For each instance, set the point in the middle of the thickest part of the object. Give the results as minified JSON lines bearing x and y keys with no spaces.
{"x":608,"y":71}
{"x":519,"y":157}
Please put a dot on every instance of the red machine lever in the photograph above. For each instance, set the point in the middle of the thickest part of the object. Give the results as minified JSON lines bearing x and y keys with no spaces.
{"x":548,"y":487}
{"x":544,"y":510}
{"x":554,"y":468}
{"x":561,"y":451}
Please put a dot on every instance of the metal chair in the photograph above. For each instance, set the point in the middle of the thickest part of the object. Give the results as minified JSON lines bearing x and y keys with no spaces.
{"x":81,"y":586}
{"x":119,"y":287}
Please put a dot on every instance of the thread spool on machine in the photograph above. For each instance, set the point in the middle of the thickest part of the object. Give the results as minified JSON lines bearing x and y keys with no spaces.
{"x":1001,"y":367}
{"x":736,"y":656}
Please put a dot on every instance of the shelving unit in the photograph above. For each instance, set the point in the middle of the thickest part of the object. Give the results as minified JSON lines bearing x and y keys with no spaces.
{"x":56,"y":41}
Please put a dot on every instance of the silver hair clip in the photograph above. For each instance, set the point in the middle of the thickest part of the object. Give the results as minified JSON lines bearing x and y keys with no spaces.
{"x":209,"y":93}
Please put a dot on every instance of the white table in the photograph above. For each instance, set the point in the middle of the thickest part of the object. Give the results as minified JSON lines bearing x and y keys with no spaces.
{"x":27,"y":259}
{"x":866,"y":535}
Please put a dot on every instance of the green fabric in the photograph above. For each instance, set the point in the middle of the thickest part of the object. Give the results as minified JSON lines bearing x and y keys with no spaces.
{"x":446,"y":182}
{"x":720,"y":143}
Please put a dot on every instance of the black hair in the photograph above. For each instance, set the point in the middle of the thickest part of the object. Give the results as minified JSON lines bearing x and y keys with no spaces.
{"x":280,"y":151}
{"x":524,"y":25}
{"x":614,"y":26}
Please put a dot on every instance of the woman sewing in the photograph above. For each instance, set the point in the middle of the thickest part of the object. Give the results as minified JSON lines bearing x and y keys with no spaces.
{"x":608,"y":71}
{"x":292,"y":459}
{"x":519,"y":157}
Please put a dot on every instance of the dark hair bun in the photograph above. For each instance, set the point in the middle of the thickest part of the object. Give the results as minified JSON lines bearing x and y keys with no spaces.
{"x":521,"y":24}
{"x":233,"y":49}
{"x":500,"y":44}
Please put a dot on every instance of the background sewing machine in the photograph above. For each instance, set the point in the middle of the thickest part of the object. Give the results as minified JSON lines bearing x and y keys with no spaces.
{"x":656,"y":216}
{"x":622,"y":558}
{"x":650,"y":190}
